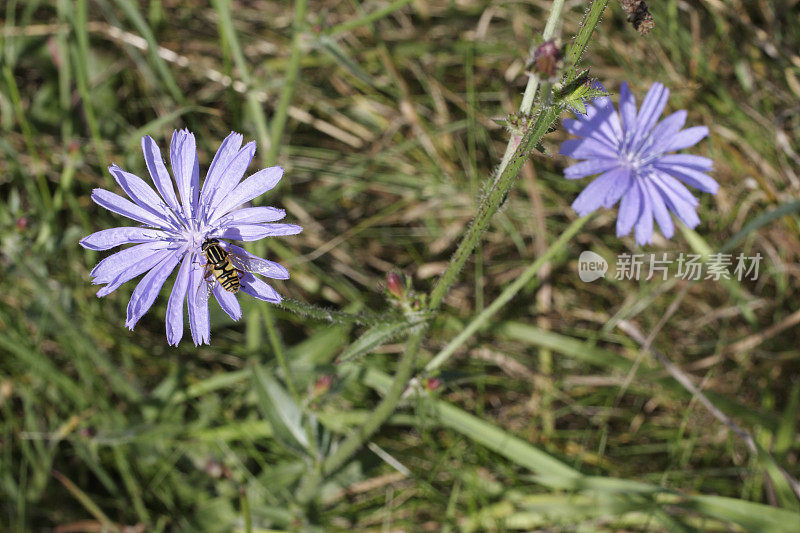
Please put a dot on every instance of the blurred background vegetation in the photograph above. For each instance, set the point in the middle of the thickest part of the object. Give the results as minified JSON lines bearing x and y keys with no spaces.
{"x":381,"y":113}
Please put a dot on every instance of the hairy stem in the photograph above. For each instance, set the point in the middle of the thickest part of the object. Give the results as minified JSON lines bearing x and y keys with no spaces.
{"x":506,"y":295}
{"x":490,"y":203}
{"x":533,"y":81}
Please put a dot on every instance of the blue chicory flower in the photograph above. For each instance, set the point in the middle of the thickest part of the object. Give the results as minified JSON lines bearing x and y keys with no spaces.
{"x":629,"y":151}
{"x":175,"y":226}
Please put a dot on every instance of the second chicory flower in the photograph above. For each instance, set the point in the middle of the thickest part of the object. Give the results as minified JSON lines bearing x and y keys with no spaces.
{"x":629,"y":151}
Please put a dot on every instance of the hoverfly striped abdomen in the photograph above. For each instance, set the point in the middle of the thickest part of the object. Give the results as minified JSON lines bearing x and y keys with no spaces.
{"x":220,"y":265}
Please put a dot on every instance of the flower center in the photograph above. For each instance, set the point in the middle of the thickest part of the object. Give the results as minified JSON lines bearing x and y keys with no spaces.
{"x":630,"y":160}
{"x":194,"y":238}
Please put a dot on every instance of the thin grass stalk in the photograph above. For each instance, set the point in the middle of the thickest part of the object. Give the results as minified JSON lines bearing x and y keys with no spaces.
{"x":228,"y":32}
{"x":289,"y":84}
{"x":280,"y":355}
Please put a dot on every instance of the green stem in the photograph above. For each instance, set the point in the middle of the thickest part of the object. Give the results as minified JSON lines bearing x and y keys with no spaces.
{"x":506,"y":295}
{"x":132,"y":11}
{"x":547,"y":34}
{"x":84,"y":83}
{"x":228,"y":33}
{"x":589,"y":23}
{"x":308,"y":488}
{"x":27,"y":133}
{"x":505,"y":179}
{"x":289,"y":83}
{"x":490,"y":203}
{"x":368,"y":18}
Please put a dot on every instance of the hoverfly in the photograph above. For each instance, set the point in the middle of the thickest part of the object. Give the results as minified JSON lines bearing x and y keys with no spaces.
{"x":228,"y":267}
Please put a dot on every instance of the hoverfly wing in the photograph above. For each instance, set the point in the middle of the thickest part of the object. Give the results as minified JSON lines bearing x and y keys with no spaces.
{"x":256,"y":265}
{"x":205,"y":287}
{"x":204,"y":291}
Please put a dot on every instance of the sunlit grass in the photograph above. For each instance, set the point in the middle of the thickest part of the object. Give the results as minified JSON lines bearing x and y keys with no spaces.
{"x":387,"y":142}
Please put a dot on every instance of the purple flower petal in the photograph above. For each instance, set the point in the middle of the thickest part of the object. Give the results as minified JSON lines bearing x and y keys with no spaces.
{"x":109,"y":238}
{"x":175,"y":303}
{"x":186,"y":168}
{"x":228,"y":302}
{"x":230,"y":177}
{"x":663,"y":132}
{"x":117,"y":204}
{"x":696,"y":162}
{"x":660,"y":211}
{"x":587,"y":148}
{"x":146,"y":291}
{"x":142,"y":194}
{"x":254,"y":186}
{"x":620,"y":184}
{"x":627,"y":110}
{"x":667,"y":183}
{"x":676,"y":202}
{"x":653,"y":105}
{"x":592,"y":197}
{"x":690,"y":176}
{"x":251,"y":215}
{"x":603,"y":126}
{"x":590,"y":167}
{"x":199,"y":323}
{"x":686,"y":138}
{"x":254,"y":232}
{"x":112,"y":265}
{"x":644,"y":226}
{"x":158,"y":171}
{"x":629,"y":209}
{"x":135,"y":269}
{"x":227,"y":151}
{"x":258,"y":289}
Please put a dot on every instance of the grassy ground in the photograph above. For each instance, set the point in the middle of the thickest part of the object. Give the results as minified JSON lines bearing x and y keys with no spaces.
{"x":386,"y":137}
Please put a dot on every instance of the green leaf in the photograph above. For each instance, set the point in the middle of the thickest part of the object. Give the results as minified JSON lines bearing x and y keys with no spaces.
{"x":376,"y":336}
{"x":279,"y":408}
{"x":787,"y":429}
{"x":761,"y":220}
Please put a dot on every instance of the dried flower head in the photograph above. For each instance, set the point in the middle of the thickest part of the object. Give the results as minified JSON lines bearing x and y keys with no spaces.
{"x":176,"y":225}
{"x":638,"y":15}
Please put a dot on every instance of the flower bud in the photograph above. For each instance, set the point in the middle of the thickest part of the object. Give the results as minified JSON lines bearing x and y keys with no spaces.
{"x":395,"y":284}
{"x":431,"y":384}
{"x":547,"y":60}
{"x":322,"y":385}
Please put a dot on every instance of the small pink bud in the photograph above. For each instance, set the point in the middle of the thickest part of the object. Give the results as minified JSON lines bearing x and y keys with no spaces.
{"x":21,"y":224}
{"x":322,"y":385}
{"x":432,"y":384}
{"x":395,"y":284}
{"x":547,"y":59}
